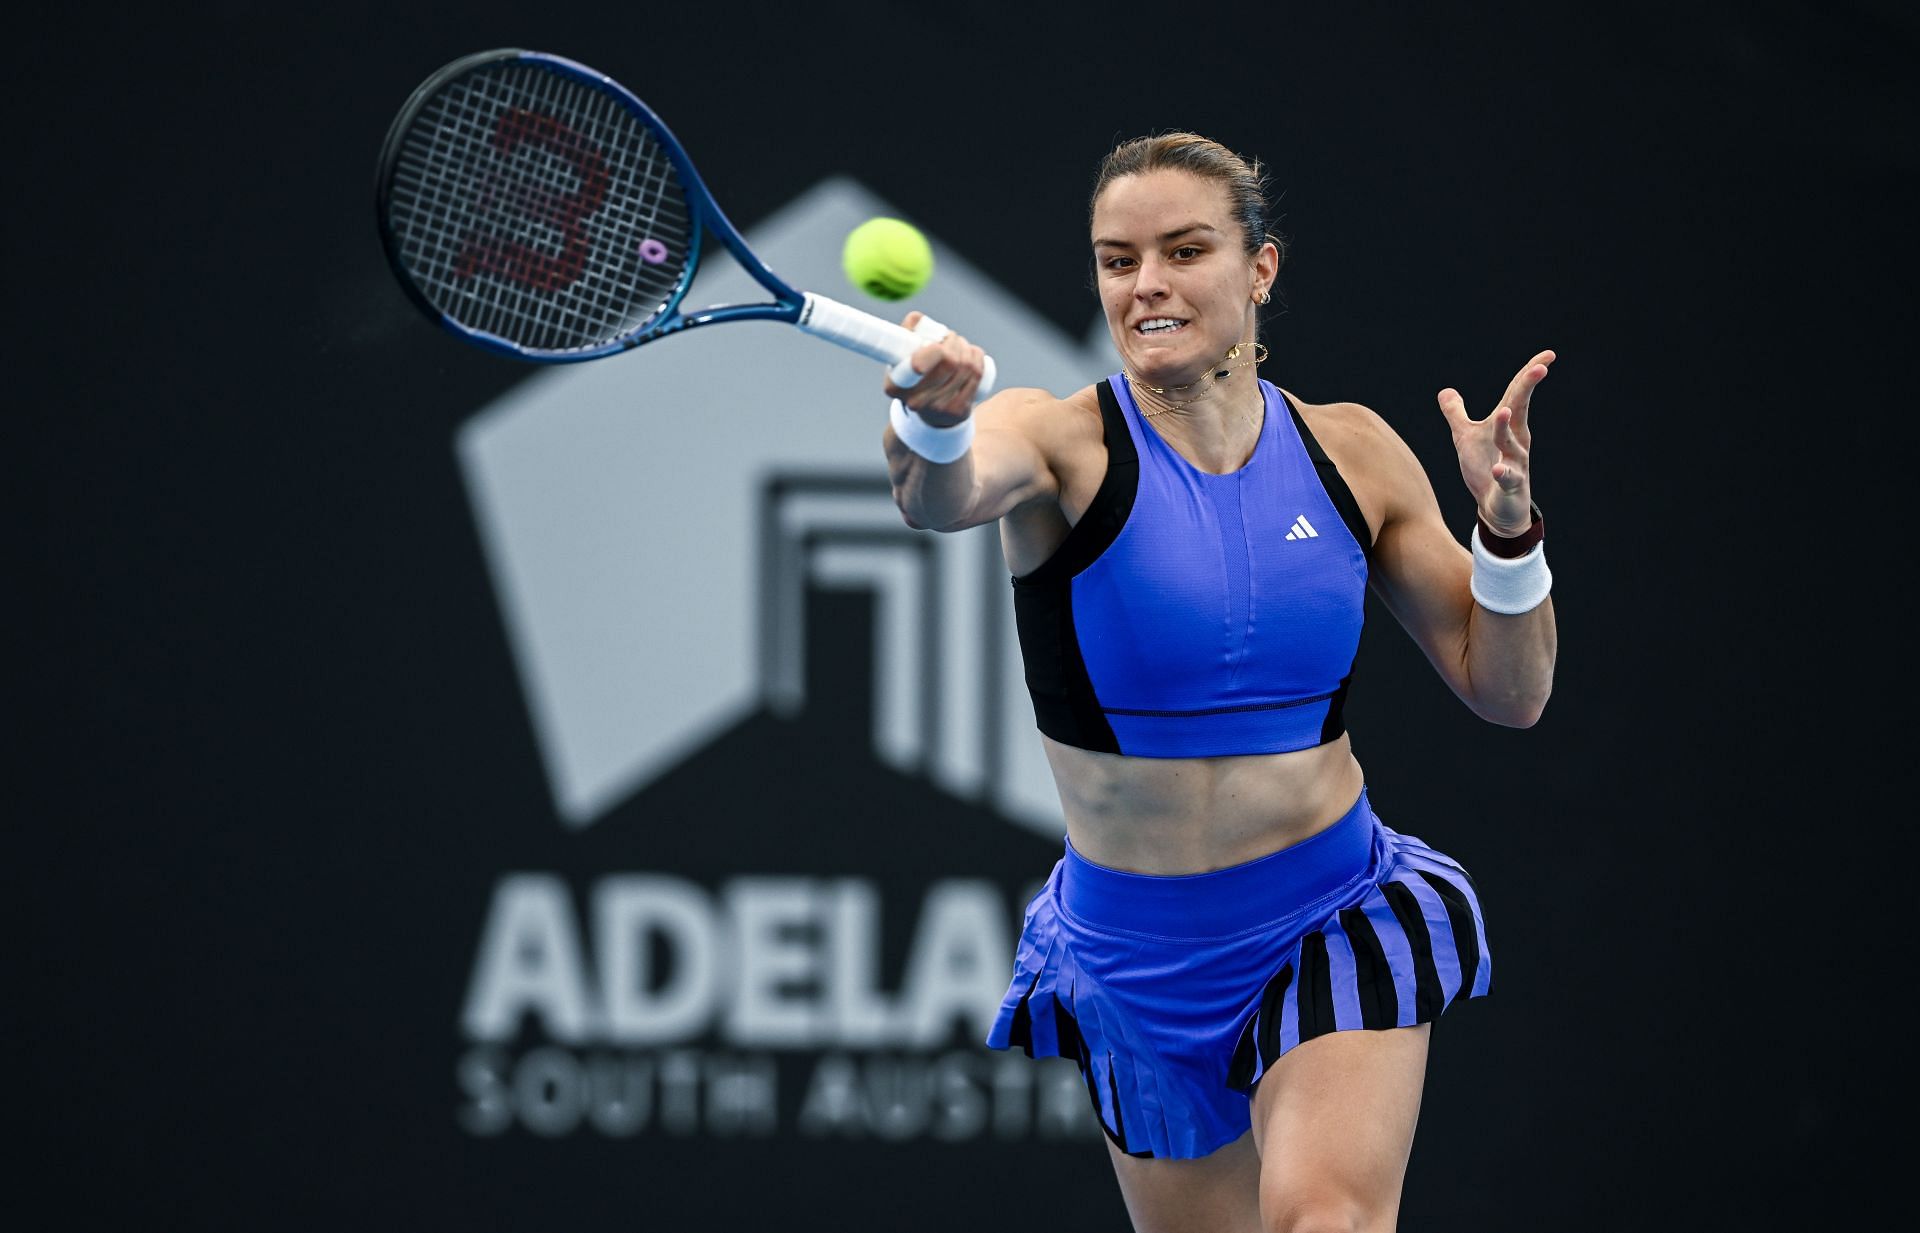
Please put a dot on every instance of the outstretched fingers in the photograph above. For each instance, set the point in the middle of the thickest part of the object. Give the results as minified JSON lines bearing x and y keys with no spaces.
{"x":1519,"y":394}
{"x":1495,"y":452}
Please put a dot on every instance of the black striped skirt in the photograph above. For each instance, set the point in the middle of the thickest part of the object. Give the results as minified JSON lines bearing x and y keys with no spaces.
{"x":1175,"y":994}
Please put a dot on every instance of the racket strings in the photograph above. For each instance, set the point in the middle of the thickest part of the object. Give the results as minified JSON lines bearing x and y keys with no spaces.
{"x":533,"y":207}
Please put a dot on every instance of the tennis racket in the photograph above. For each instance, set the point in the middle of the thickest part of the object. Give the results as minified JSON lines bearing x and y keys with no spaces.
{"x":538,"y":208}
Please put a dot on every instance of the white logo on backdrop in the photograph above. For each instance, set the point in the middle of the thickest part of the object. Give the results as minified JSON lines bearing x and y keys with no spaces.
{"x":653,"y":523}
{"x":621,"y":505}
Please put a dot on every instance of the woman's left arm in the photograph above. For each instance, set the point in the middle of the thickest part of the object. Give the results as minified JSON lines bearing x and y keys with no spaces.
{"x":1499,"y":662}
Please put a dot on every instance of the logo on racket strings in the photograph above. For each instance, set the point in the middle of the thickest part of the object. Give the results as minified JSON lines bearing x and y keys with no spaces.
{"x":566,"y":213}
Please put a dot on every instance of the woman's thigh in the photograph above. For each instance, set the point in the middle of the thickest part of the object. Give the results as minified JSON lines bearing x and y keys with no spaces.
{"x":1333,"y":1126}
{"x":1219,"y":1193}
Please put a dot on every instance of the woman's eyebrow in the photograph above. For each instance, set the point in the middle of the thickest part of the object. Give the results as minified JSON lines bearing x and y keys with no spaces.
{"x":1175,"y":234}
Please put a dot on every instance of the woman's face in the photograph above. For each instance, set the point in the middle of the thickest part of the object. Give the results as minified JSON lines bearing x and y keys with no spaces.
{"x":1175,"y":280}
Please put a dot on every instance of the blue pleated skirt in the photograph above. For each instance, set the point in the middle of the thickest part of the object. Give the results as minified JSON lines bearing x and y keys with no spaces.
{"x":1175,"y":994}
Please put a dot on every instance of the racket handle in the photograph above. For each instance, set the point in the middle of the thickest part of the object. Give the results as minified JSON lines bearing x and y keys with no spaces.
{"x":879,"y":340}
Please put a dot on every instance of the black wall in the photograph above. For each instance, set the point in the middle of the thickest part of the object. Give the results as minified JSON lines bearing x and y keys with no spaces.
{"x":267,"y":727}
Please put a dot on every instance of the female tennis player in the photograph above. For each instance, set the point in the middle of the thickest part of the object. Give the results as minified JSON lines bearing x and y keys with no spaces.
{"x":1244,"y":960}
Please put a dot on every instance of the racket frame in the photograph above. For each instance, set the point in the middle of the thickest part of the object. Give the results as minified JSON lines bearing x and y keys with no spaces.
{"x":705,"y":215}
{"x":815,"y":314}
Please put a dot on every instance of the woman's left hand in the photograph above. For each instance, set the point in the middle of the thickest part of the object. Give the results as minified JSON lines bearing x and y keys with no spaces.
{"x":1493,"y":451}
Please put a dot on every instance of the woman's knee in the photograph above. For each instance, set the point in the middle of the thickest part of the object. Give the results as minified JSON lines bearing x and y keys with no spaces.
{"x":1322,"y":1209}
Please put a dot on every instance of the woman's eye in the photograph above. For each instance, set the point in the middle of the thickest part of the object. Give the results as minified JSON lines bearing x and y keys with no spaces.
{"x":1186,"y":252}
{"x":1118,"y":263}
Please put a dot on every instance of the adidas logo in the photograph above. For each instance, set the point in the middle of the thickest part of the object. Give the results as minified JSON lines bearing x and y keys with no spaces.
{"x":1302,"y":529}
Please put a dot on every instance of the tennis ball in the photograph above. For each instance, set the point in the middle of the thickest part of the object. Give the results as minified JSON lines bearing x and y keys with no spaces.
{"x":887,"y":259}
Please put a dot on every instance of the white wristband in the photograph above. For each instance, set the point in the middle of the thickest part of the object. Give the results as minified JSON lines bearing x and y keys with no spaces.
{"x":933,"y":444}
{"x":1510,"y":585}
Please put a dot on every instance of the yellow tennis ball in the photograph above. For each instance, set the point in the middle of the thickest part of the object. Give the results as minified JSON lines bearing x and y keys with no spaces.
{"x":887,"y":259}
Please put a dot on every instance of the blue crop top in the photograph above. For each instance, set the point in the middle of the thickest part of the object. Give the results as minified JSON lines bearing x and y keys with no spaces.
{"x":1190,"y":615}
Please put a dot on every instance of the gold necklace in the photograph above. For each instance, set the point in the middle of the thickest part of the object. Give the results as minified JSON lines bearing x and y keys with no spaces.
{"x":1212,"y":376}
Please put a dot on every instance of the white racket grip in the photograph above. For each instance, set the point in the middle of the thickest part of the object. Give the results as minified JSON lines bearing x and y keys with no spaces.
{"x":876,"y":339}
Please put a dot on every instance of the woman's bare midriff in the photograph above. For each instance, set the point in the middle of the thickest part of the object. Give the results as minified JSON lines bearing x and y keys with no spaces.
{"x":1175,"y":816}
{"x":1179,"y":815}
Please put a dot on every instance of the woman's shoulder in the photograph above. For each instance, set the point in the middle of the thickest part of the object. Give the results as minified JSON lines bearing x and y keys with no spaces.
{"x":1373,"y":459}
{"x":1356,"y":437}
{"x":1044,"y":415}
{"x":1349,"y":423}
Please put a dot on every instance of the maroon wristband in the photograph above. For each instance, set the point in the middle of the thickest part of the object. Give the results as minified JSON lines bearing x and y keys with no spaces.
{"x":1516,"y":546}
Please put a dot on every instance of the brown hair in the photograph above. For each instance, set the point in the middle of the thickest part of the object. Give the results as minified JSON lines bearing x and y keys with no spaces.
{"x":1245,"y":182}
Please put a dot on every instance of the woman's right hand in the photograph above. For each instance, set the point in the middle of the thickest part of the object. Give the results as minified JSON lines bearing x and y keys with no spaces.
{"x":950,"y":372}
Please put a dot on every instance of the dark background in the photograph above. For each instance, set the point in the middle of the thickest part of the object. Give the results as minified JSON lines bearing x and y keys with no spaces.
{"x":267,"y":722}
